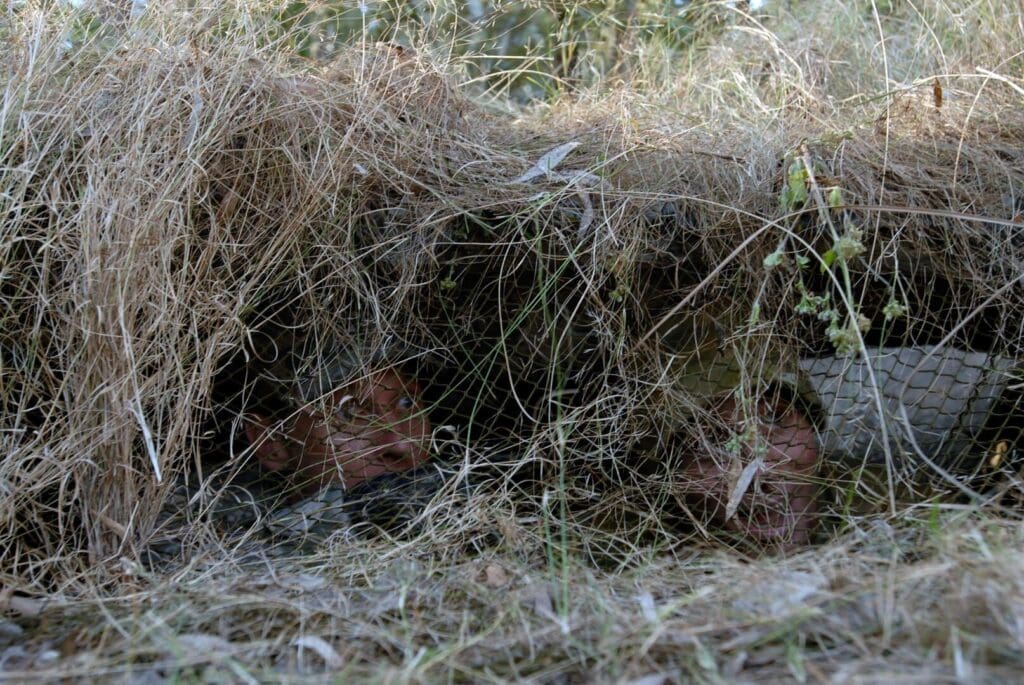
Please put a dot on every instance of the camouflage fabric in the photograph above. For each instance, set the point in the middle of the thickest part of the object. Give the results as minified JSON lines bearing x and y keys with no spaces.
{"x":929,"y":401}
{"x":942,"y":403}
{"x":250,"y":504}
{"x":313,"y":519}
{"x":389,"y":502}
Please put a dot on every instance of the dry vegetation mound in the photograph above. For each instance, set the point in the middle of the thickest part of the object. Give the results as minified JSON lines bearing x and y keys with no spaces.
{"x":178,"y":201}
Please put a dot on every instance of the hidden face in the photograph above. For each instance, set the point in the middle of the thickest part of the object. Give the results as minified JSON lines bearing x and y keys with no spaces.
{"x":778,"y":505}
{"x":361,"y":430}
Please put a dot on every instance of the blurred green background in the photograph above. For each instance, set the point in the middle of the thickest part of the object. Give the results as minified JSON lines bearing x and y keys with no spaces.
{"x":523,"y":50}
{"x":519,"y":50}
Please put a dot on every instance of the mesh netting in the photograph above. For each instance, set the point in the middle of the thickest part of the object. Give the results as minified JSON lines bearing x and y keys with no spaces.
{"x":656,"y":339}
{"x":722,"y":414}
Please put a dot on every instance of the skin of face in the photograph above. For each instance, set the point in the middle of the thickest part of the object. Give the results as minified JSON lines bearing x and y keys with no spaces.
{"x":359,"y":431}
{"x":780,"y":505}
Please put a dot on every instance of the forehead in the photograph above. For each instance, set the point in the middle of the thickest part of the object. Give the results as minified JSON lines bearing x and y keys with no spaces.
{"x":379,"y":387}
{"x":389,"y":381}
{"x":319,"y":377}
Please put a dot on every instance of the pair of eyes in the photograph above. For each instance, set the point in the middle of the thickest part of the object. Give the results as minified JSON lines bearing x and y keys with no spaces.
{"x":352,"y":409}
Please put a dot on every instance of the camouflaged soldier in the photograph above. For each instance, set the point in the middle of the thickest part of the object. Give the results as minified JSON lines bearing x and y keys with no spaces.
{"x":924,"y":408}
{"x":336,"y":444}
{"x":345,"y":426}
{"x":353,"y":433}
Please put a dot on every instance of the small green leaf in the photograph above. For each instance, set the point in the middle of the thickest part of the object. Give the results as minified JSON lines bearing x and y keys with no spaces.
{"x":835,"y":197}
{"x":846,"y":338}
{"x":798,"y":176}
{"x":810,"y":303}
{"x":848,"y":247}
{"x":786,"y":199}
{"x":798,"y":195}
{"x":796,"y":172}
{"x":795,"y":661}
{"x":794,"y":191}
{"x":775,"y":259}
{"x":705,"y":659}
{"x":894,"y":309}
{"x":828,"y":259}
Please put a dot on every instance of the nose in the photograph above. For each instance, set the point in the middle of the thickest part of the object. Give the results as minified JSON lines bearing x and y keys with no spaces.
{"x":399,"y":452}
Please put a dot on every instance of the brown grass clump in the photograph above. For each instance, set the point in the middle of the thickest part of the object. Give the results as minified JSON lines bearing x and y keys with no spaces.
{"x":179,"y":196}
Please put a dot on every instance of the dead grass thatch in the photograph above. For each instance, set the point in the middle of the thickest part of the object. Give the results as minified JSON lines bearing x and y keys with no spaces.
{"x":178,"y":194}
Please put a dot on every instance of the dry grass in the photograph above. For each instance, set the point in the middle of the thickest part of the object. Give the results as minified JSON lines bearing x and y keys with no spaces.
{"x":176,"y":190}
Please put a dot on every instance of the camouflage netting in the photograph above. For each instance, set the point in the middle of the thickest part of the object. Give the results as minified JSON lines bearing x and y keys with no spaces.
{"x":574,"y":313}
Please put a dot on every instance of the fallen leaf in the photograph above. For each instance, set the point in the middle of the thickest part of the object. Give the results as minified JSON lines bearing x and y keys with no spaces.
{"x":324,"y":650}
{"x":203,"y":643}
{"x":547,"y":162}
{"x":542,"y":605}
{"x":305,"y":581}
{"x":495,"y":576}
{"x":655,"y":679}
{"x":742,"y":484}
{"x":648,"y":607}
{"x":782,"y":594}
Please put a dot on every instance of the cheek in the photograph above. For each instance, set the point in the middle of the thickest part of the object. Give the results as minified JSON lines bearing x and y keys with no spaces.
{"x":419,"y":428}
{"x":413,"y":429}
{"x":312,"y":435}
{"x":793,"y":438}
{"x":349,"y":452}
{"x":333,"y":446}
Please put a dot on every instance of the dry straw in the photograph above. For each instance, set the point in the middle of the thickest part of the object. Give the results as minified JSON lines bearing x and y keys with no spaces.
{"x":178,"y":197}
